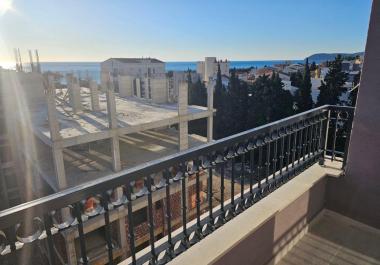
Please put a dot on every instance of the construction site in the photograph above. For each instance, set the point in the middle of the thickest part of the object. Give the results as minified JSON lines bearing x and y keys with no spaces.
{"x":69,"y":131}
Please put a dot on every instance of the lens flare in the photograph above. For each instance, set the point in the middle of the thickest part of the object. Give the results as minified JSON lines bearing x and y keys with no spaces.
{"x":5,"y":6}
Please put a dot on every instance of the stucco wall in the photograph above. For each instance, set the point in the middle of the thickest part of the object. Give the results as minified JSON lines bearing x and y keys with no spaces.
{"x":357,"y":195}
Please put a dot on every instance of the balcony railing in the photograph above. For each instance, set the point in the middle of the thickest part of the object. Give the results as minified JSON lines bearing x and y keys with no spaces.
{"x":260,"y":160}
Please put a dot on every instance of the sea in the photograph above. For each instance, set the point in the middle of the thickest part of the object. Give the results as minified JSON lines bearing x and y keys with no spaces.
{"x":92,"y":69}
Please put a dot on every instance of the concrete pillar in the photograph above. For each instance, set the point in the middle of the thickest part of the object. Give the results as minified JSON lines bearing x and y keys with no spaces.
{"x":112,"y":124}
{"x":51,"y":109}
{"x":59,"y":167}
{"x":138,"y":88}
{"x":57,"y":152}
{"x":111,"y":109}
{"x":75,"y":96}
{"x":70,"y":249}
{"x":210,"y":107}
{"x":182,"y":112}
{"x":94,"y":93}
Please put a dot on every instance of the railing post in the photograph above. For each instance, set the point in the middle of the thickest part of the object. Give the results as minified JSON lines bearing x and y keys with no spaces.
{"x":322,"y":160}
{"x":347,"y":143}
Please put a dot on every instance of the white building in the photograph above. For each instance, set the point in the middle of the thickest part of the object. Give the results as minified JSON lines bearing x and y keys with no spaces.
{"x":140,"y":77}
{"x":293,"y":68}
{"x":209,"y":67}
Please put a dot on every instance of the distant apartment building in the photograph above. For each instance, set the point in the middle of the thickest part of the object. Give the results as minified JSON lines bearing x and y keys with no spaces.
{"x":293,"y":68}
{"x":209,"y":67}
{"x":144,"y":78}
{"x":140,"y":77}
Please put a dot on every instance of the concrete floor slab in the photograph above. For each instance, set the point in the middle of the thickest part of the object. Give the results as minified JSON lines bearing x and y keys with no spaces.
{"x":130,"y":112}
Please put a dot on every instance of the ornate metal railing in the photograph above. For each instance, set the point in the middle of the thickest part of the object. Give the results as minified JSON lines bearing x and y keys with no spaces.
{"x":259,"y":160}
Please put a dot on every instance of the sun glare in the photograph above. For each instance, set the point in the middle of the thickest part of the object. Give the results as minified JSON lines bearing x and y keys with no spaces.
{"x":5,"y":6}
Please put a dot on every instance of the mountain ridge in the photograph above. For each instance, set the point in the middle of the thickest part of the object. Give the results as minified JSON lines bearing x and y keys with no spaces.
{"x":317,"y":57}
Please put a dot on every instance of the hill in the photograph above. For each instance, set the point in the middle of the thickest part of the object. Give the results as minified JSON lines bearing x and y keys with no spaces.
{"x":321,"y":57}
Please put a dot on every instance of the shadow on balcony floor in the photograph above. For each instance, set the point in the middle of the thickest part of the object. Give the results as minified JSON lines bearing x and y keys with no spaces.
{"x":336,"y":240}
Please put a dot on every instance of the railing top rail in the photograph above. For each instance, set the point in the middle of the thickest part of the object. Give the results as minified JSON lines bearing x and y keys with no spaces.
{"x":74,"y":194}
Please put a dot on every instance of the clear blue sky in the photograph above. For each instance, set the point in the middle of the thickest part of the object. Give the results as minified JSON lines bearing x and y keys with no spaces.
{"x":177,"y":30}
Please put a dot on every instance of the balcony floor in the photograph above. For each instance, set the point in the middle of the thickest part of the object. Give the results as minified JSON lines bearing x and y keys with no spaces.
{"x":336,"y":240}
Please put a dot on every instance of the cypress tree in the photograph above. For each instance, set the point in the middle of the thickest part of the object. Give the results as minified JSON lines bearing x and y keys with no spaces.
{"x":220,"y":105}
{"x":237,"y":96}
{"x":303,"y":94}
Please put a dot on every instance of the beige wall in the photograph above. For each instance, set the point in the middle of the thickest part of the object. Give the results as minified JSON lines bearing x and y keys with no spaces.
{"x":267,"y":241}
{"x":357,"y":195}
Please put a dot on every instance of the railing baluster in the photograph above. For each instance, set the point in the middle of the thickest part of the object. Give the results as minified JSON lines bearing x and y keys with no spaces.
{"x":282,"y":150}
{"x":222,"y":210}
{"x":198,"y":232}
{"x":335,"y":133}
{"x":153,"y":255}
{"x":82,"y":241}
{"x":50,"y":243}
{"x":289,"y":139}
{"x":14,"y":258}
{"x":294,"y":147}
{"x":325,"y":138}
{"x":311,"y":139}
{"x":232,"y":209}
{"x":105,"y":200}
{"x":259,"y":168}
{"x":242,"y":176}
{"x":267,"y":164}
{"x":275,"y":158}
{"x":300,"y":142}
{"x":314,"y":142}
{"x":131,"y":233}
{"x":305,"y":141}
{"x":210,"y":226}
{"x":252,"y":173}
{"x":185,"y":243}
{"x":169,"y":255}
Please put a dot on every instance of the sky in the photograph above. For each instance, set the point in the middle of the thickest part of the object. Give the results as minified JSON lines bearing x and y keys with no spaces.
{"x":179,"y":30}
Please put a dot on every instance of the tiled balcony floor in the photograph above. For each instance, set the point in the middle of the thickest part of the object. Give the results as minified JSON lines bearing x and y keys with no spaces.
{"x":336,"y":240}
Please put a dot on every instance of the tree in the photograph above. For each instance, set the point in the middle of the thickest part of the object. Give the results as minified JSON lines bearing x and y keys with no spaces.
{"x":268,"y":101}
{"x":313,"y":66}
{"x":220,"y":105}
{"x":197,"y":94}
{"x":237,"y":96}
{"x":303,"y":94}
{"x":296,"y":79}
{"x":332,"y":87}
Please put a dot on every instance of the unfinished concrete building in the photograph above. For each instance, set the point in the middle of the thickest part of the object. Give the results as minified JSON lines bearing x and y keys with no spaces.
{"x":79,"y":134}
